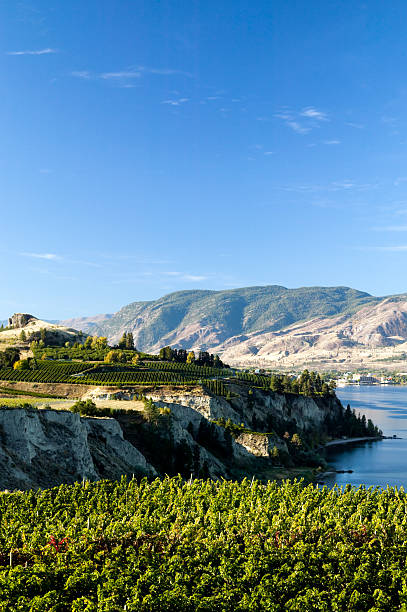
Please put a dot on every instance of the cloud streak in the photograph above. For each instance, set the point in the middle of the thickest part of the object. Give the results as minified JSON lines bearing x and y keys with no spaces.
{"x":175,"y":102}
{"x":133,"y":72}
{"x":312,"y":113}
{"x":389,"y":249}
{"x":302,"y":121}
{"x":47,"y":256}
{"x":37,"y":52}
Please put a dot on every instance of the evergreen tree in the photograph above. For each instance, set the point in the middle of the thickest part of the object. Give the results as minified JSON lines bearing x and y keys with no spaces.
{"x":276,"y":384}
{"x":130,"y":342}
{"x":123,"y":341}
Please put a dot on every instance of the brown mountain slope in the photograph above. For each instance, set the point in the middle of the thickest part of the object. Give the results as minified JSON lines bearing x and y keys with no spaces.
{"x":270,"y":325}
{"x":375,"y":335}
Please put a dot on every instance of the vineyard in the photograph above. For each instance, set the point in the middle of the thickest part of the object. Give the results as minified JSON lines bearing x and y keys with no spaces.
{"x":54,"y":365}
{"x":148,"y":373}
{"x":201,"y":545}
{"x":46,"y":372}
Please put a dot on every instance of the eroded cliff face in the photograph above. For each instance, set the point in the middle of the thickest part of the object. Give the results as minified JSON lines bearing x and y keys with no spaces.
{"x":43,"y":448}
{"x":255,"y":409}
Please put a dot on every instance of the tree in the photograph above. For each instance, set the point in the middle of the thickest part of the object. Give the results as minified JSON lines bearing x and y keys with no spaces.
{"x":152,"y":411}
{"x":276,"y":384}
{"x":23,"y":336}
{"x":9,"y":357}
{"x":43,"y":334}
{"x":21,"y":364}
{"x":88,"y":342}
{"x":296,"y":440}
{"x":115,"y":356}
{"x":130,"y":342}
{"x":99,"y":342}
{"x":191,"y":357}
{"x":123,"y":341}
{"x":136,"y":359}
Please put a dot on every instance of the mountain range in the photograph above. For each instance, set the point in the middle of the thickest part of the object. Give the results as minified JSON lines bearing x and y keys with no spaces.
{"x":269,"y":326}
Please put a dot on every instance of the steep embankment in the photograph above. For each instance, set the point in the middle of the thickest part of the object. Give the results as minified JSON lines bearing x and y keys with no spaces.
{"x":42,"y":448}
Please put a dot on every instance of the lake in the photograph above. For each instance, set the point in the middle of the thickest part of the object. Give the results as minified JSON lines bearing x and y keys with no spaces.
{"x":379,"y":463}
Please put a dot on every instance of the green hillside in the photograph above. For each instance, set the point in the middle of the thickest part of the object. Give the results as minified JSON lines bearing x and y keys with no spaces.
{"x":229,"y":313}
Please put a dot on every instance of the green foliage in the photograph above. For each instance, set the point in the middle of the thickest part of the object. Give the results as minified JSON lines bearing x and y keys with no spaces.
{"x":9,"y":357}
{"x":115,"y":356}
{"x":202,"y":545}
{"x":352,"y":425}
{"x":46,"y":372}
{"x":235,"y":311}
{"x":181,"y":356}
{"x":86,"y":408}
{"x":80,"y":352}
{"x":309,"y":383}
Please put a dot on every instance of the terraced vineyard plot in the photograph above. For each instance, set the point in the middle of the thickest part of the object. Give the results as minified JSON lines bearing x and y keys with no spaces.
{"x":190,"y":369}
{"x":47,"y":372}
{"x":136,"y":378}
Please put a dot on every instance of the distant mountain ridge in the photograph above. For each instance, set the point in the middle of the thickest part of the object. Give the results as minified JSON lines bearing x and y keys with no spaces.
{"x":268,"y":326}
{"x":209,"y":317}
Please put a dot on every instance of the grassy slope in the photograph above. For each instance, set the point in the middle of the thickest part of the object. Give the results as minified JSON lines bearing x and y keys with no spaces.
{"x":235,"y":312}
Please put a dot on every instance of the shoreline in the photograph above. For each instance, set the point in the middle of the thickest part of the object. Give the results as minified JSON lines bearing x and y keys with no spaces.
{"x":340,"y":441}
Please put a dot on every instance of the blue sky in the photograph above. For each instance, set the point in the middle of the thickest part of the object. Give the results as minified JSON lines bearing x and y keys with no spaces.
{"x":148,"y":147}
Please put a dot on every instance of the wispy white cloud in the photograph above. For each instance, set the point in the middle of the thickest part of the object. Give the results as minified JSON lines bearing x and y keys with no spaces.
{"x":331,"y":142}
{"x":297,"y":127}
{"x":344,"y":185}
{"x":81,"y":74}
{"x":61,"y":259}
{"x":390,"y":228}
{"x":391,"y":249}
{"x":185,"y":277}
{"x":194,"y":277}
{"x":133,"y":72}
{"x":399,"y":180}
{"x":389,"y":120}
{"x":357,"y":126}
{"x":302,"y":121}
{"x":177,"y":102}
{"x":125,"y":74}
{"x":48,"y":256}
{"x":313,"y":113}
{"x":37,"y":52}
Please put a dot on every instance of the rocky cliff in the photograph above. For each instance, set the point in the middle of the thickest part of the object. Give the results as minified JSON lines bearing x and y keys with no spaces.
{"x":43,"y":448}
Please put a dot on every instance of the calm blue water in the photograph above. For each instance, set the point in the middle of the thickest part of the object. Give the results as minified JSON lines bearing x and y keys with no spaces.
{"x":379,"y":463}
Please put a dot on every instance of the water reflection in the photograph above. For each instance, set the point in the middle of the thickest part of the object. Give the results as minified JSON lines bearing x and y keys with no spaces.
{"x":374,"y":463}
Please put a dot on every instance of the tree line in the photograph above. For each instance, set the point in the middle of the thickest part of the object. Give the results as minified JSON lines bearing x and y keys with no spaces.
{"x":182,"y":356}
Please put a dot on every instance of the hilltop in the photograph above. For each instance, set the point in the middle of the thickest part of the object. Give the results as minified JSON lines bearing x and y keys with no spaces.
{"x":271,"y":326}
{"x":22,"y":328}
